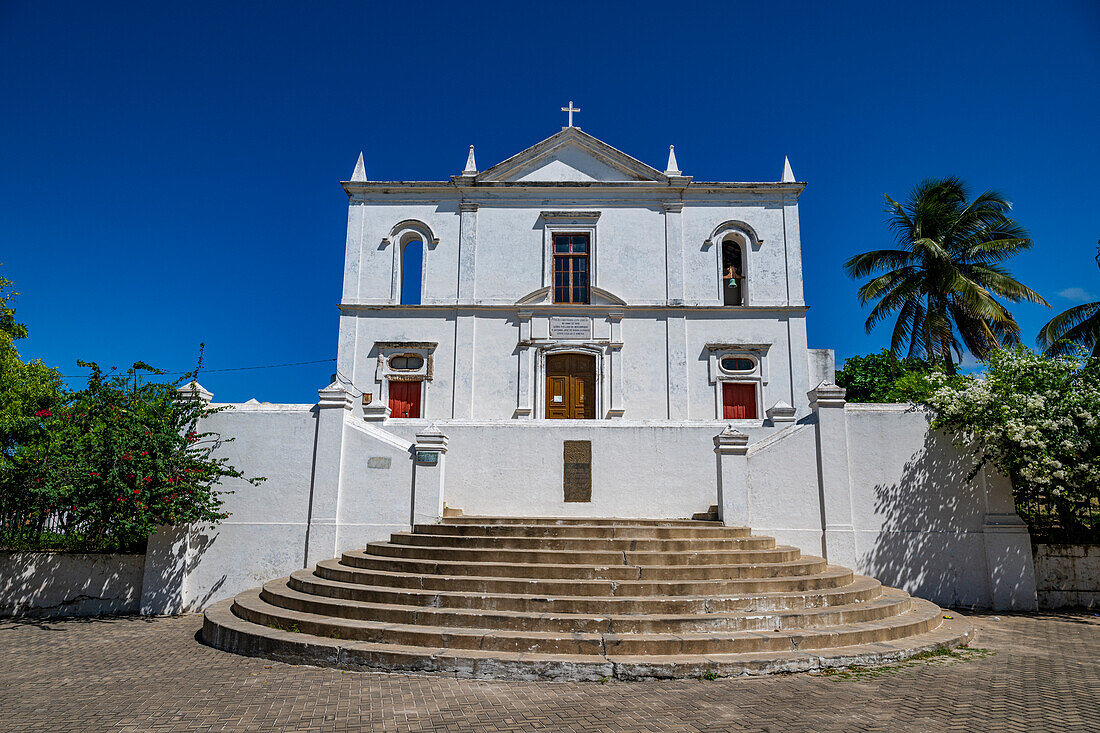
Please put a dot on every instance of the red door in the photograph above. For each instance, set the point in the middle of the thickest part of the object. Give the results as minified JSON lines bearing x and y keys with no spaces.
{"x":738,"y":401}
{"x":404,"y":399}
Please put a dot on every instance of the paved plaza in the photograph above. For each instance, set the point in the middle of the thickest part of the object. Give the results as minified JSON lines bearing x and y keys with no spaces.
{"x":1040,"y":673}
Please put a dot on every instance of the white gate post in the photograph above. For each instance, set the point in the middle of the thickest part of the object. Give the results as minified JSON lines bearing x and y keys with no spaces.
{"x":731,"y":449}
{"x":827,"y":401}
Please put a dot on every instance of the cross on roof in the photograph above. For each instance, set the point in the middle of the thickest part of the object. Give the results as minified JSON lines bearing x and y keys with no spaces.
{"x":570,"y":109}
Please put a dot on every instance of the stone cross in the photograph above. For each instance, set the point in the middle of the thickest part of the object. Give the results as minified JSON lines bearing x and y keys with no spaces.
{"x":570,"y":109}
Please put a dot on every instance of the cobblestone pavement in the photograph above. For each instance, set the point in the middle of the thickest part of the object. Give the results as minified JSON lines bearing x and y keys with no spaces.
{"x":151,"y":674}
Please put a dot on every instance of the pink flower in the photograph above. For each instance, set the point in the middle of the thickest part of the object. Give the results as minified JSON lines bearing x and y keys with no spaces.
{"x":43,"y":413}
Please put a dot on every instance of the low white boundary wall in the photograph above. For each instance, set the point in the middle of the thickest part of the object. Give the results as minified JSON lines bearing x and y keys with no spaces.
{"x":69,"y":583}
{"x":866,"y":486}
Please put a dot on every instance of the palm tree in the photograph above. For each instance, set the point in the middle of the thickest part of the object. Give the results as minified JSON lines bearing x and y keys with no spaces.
{"x":1077,"y":327}
{"x":945,"y":276}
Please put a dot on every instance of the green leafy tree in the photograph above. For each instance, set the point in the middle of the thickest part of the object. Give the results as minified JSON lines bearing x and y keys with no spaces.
{"x":872,"y":378}
{"x":1077,"y":327}
{"x":1037,"y":420}
{"x":26,"y":388}
{"x":943,"y":280}
{"x":119,"y":458}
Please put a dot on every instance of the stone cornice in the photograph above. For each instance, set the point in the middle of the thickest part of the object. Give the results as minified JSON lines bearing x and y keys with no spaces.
{"x":568,"y":308}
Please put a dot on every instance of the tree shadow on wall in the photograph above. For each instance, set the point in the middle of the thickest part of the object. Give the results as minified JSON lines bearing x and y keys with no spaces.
{"x":930,"y":543}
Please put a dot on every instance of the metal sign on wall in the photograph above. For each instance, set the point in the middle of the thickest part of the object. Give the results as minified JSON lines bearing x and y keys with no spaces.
{"x":570,"y":327}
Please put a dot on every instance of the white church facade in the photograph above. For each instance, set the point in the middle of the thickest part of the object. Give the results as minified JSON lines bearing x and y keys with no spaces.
{"x":574,"y":333}
{"x":572,"y":281}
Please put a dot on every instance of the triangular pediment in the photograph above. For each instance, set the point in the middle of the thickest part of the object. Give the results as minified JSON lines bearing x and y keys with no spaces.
{"x":571,"y":156}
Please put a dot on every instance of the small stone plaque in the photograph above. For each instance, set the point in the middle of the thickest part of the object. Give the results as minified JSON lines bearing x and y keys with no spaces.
{"x":570,"y":327}
{"x":577,"y":473}
{"x":378,"y":462}
{"x":427,"y":457}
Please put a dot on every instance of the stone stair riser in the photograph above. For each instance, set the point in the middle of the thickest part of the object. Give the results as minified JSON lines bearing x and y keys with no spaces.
{"x":565,"y":521}
{"x":585,"y":557}
{"x":805,"y":574}
{"x":321,"y":586}
{"x":581,"y":531}
{"x":579,"y":642}
{"x":584,"y":544}
{"x":617,"y":624}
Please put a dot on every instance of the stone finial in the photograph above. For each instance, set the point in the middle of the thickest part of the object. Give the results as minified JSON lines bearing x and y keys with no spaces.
{"x":431,"y":438}
{"x":827,"y":394}
{"x":780,"y":412}
{"x":673,"y":168}
{"x":731,"y":441}
{"x":359,"y":175}
{"x":334,"y":395}
{"x":788,"y":174}
{"x":471,"y":166}
{"x":194,"y":391}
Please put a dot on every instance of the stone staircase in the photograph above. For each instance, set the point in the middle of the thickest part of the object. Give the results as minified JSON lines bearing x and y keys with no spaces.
{"x":552,"y":598}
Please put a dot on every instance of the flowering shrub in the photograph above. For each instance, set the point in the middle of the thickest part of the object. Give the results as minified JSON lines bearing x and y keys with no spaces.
{"x":1037,"y":420}
{"x":110,"y":463}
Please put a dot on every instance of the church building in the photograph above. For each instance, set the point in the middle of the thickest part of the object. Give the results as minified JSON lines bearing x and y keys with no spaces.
{"x":575,"y":336}
{"x":575,"y":282}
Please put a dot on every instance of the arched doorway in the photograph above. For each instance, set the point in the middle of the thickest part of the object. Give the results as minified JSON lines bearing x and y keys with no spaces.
{"x":571,"y":387}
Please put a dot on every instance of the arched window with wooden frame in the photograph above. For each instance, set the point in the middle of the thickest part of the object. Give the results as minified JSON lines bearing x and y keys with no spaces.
{"x":733,"y":271}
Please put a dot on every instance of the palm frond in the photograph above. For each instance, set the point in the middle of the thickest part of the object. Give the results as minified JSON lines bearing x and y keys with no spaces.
{"x":1080,"y":321}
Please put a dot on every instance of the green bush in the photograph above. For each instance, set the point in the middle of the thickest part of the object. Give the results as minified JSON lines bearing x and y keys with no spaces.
{"x":883,"y":377}
{"x":107,"y":464}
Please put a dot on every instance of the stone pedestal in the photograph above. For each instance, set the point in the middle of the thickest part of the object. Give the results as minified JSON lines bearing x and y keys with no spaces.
{"x":332,"y":404}
{"x":1008,"y":553}
{"x":429,"y":455}
{"x":731,"y":449}
{"x":839,"y":546}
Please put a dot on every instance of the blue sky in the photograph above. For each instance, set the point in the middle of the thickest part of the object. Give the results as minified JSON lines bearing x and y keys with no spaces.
{"x":169,"y":172}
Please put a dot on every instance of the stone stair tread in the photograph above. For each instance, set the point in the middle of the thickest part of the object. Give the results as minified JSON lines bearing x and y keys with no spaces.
{"x":578,"y":598}
{"x":226,"y":630}
{"x":858,"y":582}
{"x":252,"y":600}
{"x":625,"y":557}
{"x":599,"y":521}
{"x":827,"y":573}
{"x":888,"y":596}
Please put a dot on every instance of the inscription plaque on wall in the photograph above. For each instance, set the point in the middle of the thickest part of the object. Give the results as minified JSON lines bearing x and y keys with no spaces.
{"x":577,"y":473}
{"x":570,"y":327}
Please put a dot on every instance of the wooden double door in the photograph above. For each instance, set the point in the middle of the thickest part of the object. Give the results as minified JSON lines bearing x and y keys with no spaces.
{"x":571,"y":387}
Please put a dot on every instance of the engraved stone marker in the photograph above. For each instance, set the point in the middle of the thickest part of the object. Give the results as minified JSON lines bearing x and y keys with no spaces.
{"x":570,"y":327}
{"x":577,"y":474}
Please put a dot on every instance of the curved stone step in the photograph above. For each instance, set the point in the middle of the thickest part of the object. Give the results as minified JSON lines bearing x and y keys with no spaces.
{"x":806,"y":573}
{"x":582,"y":545}
{"x":921,"y":617}
{"x":584,"y":530}
{"x":567,"y":598}
{"x":584,"y":557}
{"x":581,"y":520}
{"x":285,"y":594}
{"x":325,"y":581}
{"x":224,"y":630}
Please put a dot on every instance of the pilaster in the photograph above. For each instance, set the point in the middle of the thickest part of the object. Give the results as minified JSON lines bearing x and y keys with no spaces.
{"x":463,"y":404}
{"x":731,"y":449}
{"x":839,"y":545}
{"x":615,"y":358}
{"x":467,"y":250}
{"x":524,"y":396}
{"x":674,"y":252}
